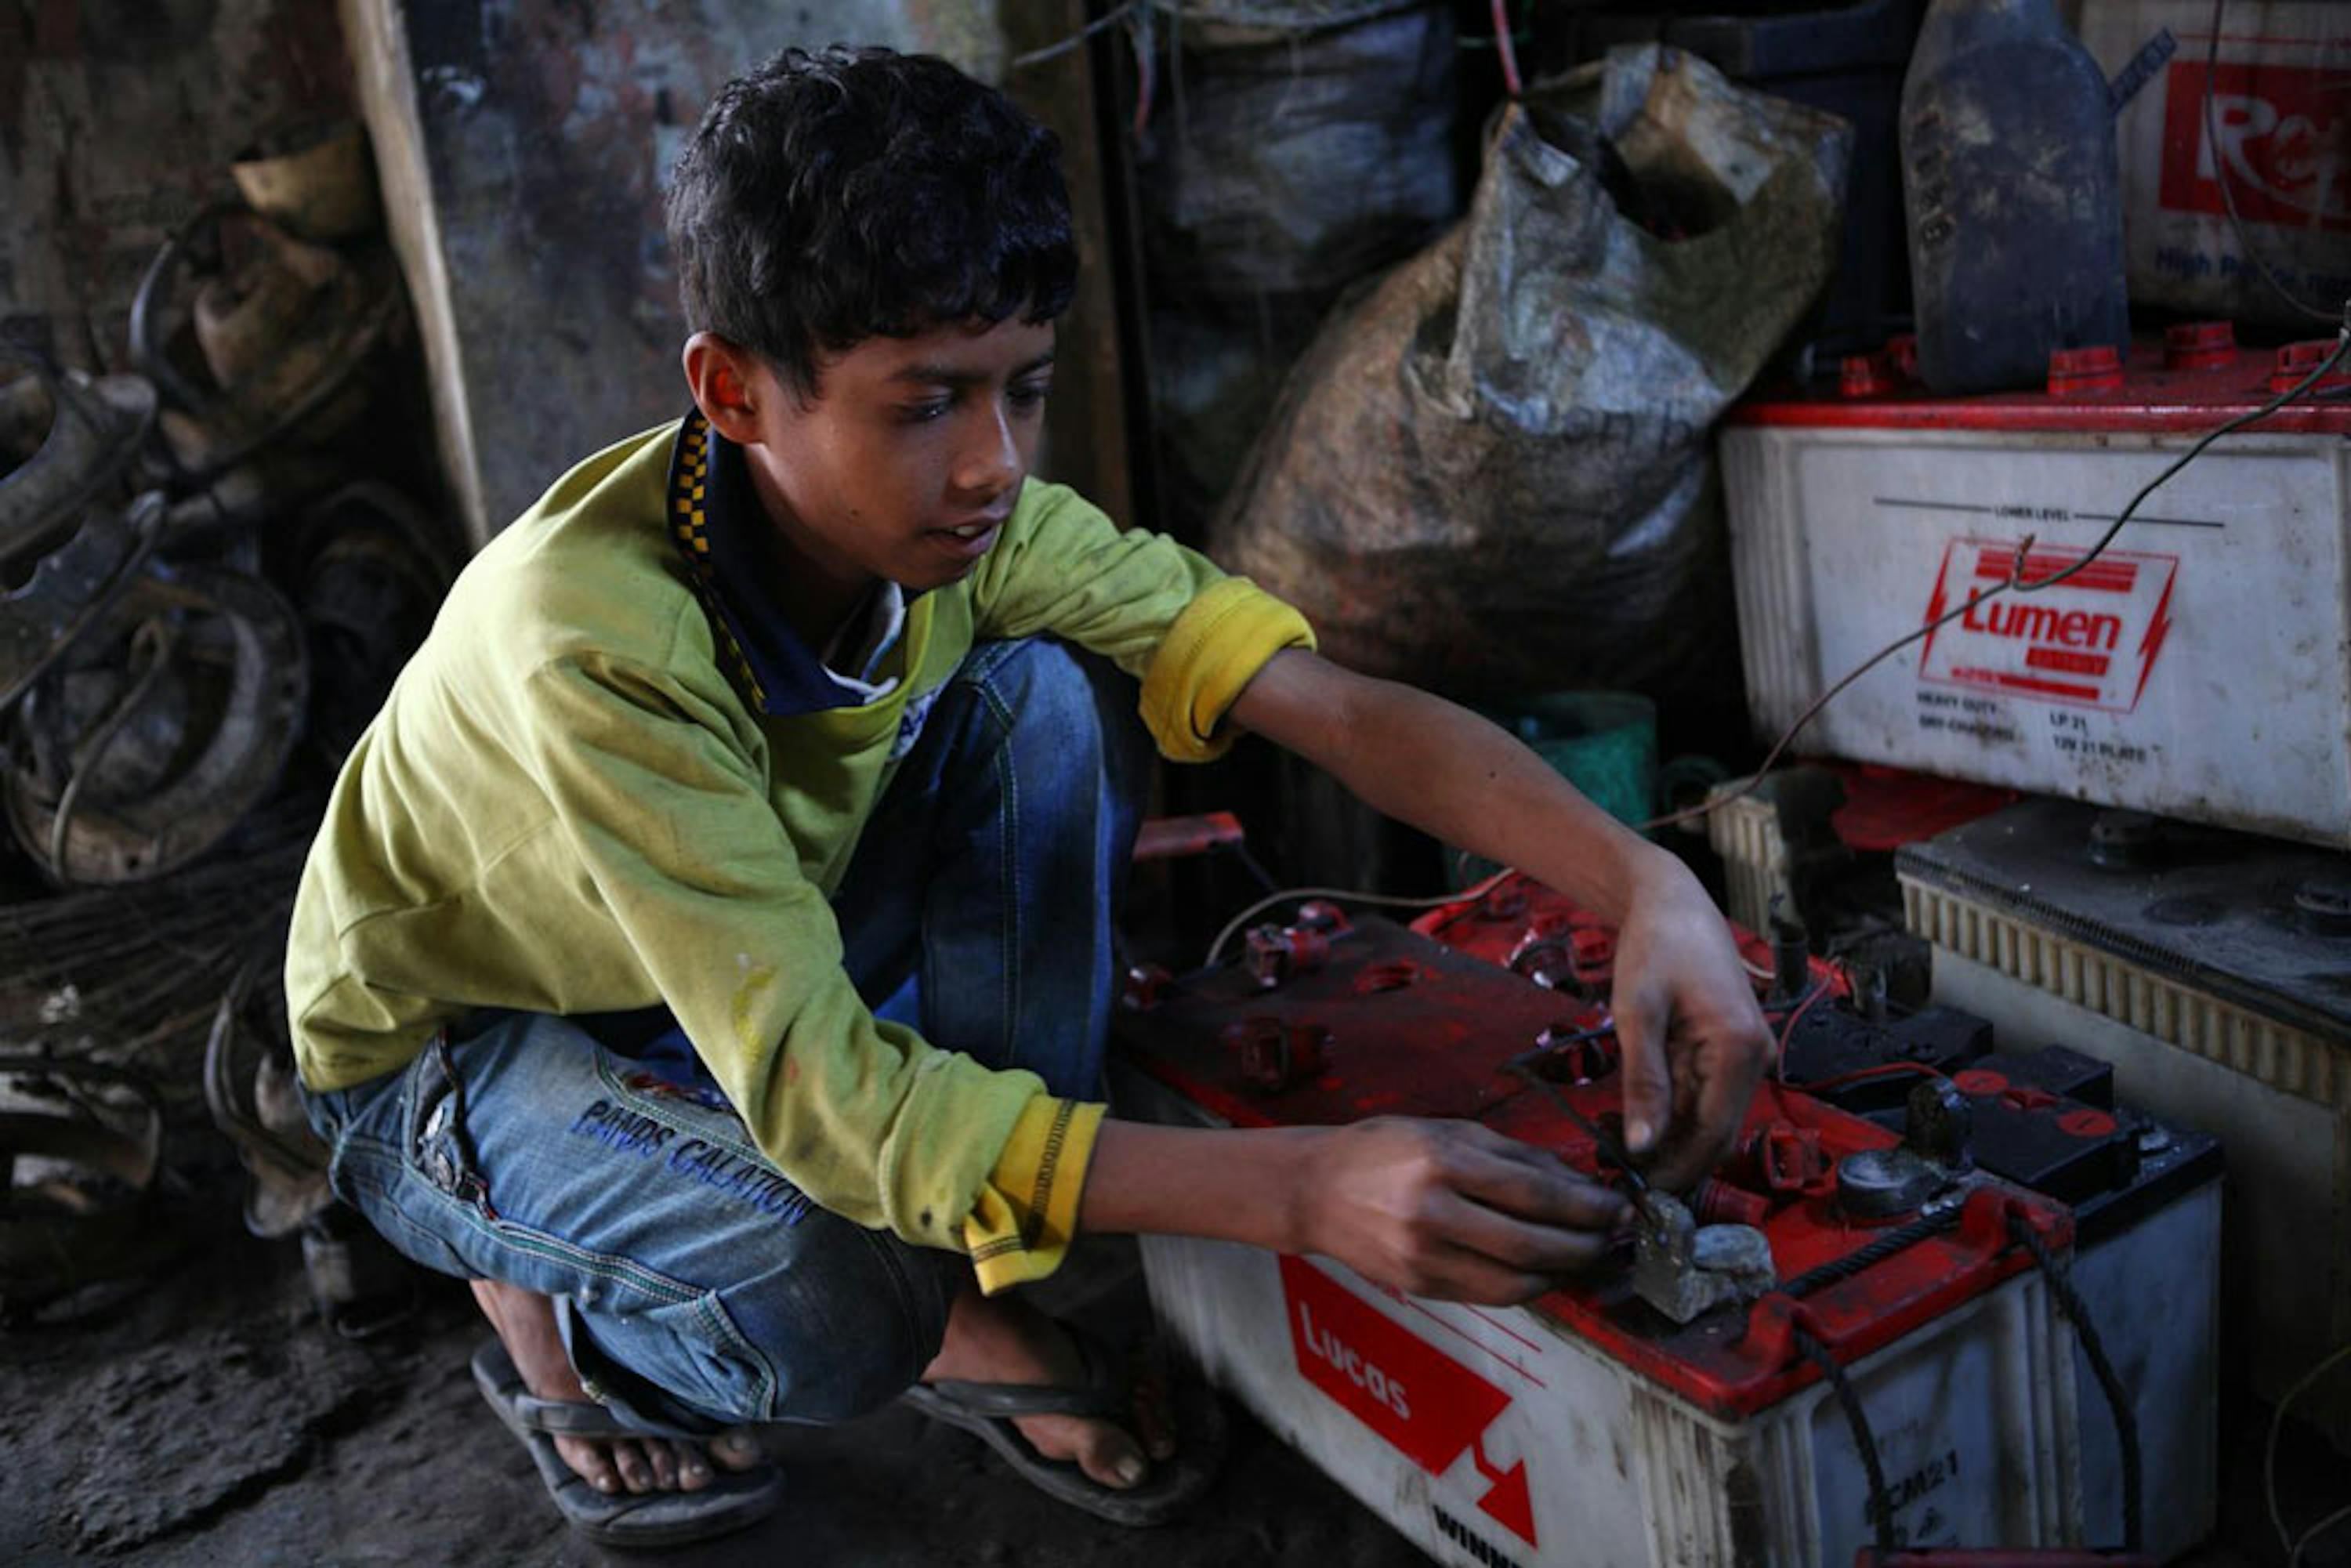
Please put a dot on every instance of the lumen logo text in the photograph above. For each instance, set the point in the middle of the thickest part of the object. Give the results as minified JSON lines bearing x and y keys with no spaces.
{"x":2090,"y":640}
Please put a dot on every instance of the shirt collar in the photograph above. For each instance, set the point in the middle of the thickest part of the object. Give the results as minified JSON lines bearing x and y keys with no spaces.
{"x":717,"y":521}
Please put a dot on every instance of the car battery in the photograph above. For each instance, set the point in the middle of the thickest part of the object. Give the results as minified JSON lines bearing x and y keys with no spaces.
{"x":1671,"y":1411}
{"x":2261,"y":106}
{"x":2146,"y":1194}
{"x":1820,"y":834}
{"x":2213,"y":970}
{"x":2197,"y":668}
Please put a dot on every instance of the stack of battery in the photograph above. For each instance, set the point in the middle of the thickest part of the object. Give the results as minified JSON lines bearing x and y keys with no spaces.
{"x":2145,"y":1195}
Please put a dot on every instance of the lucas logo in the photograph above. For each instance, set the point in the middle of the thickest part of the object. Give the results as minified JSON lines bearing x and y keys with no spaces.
{"x":1358,"y":1368}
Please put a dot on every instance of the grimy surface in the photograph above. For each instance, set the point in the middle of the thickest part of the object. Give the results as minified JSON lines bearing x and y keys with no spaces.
{"x":211,"y":1419}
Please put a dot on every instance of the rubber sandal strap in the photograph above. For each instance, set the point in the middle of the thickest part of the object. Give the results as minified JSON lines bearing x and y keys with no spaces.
{"x":570,"y":1418}
{"x":1102,"y":1395}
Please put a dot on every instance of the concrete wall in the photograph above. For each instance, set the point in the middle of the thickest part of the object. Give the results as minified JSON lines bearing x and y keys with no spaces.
{"x":118,"y":120}
{"x":524,"y":145}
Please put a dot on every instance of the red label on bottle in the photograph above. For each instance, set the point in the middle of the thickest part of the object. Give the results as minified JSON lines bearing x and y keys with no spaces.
{"x":2282,"y":134}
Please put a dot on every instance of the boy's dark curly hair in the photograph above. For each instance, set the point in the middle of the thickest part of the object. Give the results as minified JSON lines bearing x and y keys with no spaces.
{"x":831,"y":197}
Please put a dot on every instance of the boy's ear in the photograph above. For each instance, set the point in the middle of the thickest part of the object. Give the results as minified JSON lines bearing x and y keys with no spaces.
{"x":728,"y":383}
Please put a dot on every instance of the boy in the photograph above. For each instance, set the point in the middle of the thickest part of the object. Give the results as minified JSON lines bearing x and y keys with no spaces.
{"x":707,"y":950}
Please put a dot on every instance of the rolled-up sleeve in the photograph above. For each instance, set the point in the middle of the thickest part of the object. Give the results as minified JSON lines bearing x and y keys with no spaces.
{"x":1165,"y":614}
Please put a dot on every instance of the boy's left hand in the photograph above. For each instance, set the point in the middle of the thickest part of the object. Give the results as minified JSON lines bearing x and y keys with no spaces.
{"x":1694,"y":1039}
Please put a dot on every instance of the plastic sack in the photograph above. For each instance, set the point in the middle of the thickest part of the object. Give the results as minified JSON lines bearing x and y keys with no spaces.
{"x":1297,"y":146}
{"x":1492,"y":470}
{"x":1292,"y":148}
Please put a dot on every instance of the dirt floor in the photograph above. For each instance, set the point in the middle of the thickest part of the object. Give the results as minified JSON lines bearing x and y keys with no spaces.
{"x":211,"y":1417}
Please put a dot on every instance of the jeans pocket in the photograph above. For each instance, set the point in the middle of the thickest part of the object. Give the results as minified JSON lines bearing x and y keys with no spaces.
{"x":434,"y":1145}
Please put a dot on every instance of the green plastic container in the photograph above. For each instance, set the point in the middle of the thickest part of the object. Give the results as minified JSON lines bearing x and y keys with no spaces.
{"x":1603,"y":743}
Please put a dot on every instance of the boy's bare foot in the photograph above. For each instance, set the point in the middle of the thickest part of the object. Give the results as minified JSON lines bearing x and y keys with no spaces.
{"x":1001,"y":1339}
{"x":525,"y":1324}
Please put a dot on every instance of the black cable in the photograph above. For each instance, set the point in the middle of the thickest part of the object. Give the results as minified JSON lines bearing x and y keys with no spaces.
{"x":2221,"y":178}
{"x":1881,"y":1508}
{"x":2077,"y":1312}
{"x":1897,"y":1240}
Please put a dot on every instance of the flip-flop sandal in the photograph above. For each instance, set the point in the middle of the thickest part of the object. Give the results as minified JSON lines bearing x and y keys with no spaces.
{"x":735,"y":1499}
{"x":987,"y":1411}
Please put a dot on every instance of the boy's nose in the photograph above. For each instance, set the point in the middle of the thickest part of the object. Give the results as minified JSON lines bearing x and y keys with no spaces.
{"x":990,"y":463}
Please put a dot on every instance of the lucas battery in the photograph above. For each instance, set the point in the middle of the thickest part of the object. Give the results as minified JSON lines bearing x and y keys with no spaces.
{"x":2145,"y":1194}
{"x":1680,"y":1409}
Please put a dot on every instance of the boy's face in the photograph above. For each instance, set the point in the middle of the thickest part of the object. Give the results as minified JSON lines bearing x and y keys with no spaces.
{"x":907,"y":460}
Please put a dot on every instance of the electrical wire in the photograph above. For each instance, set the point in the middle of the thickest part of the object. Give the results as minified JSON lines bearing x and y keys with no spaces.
{"x":1507,"y":49}
{"x":2102,"y":1367}
{"x":1863,"y":1075}
{"x":1901,"y":1238}
{"x":2339,"y":1516}
{"x":2221,"y":178}
{"x":1348,"y":896}
{"x":2295,"y":1547}
{"x":1881,"y":1510}
{"x":1099,"y":24}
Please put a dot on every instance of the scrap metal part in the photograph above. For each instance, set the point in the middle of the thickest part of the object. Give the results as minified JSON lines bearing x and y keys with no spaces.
{"x":162,"y":726}
{"x":69,"y":592}
{"x":369,"y":593}
{"x":95,"y":424}
{"x":76,"y":1189}
{"x":266,"y":1123}
{"x":1684,"y":1268}
{"x":316,"y":180}
{"x":284,"y":337}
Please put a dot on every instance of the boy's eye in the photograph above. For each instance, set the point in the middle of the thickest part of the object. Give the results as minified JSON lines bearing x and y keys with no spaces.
{"x":1028,"y":394}
{"x":924,"y":412}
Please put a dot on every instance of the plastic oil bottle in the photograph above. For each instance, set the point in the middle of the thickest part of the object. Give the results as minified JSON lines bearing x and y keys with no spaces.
{"x":2014,"y":194}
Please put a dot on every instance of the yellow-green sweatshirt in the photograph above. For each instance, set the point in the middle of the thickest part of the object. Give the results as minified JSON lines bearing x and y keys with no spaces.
{"x":585,"y":794}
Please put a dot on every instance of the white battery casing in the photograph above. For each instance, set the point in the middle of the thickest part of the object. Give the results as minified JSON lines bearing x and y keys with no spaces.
{"x":2202,"y":668}
{"x":1496,"y":1436}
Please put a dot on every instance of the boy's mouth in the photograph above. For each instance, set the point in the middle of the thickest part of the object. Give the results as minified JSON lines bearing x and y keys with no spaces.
{"x":966,"y":541}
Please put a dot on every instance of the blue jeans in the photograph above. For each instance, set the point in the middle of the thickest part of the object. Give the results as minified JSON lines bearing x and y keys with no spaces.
{"x":694,"y":1285}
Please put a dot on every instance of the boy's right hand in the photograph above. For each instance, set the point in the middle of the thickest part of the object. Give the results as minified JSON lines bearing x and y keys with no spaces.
{"x":1450,"y":1210}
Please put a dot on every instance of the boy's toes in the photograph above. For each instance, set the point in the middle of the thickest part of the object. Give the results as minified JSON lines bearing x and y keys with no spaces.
{"x":1155,"y":1421}
{"x":692,"y":1467}
{"x":635,"y":1473}
{"x":590,"y":1462}
{"x":737,"y":1448}
{"x":664,"y":1462}
{"x":1111,"y":1457}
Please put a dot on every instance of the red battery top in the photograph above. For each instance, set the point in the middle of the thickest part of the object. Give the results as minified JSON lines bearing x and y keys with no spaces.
{"x":1375,"y":1019}
{"x":2192,"y":379}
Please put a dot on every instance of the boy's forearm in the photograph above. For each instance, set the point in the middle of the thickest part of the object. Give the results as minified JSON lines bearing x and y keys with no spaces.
{"x":1225,"y":1184}
{"x":1444,"y":769}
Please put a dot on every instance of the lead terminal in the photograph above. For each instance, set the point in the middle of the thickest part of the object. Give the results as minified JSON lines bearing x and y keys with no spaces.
{"x":1684,"y":1268}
